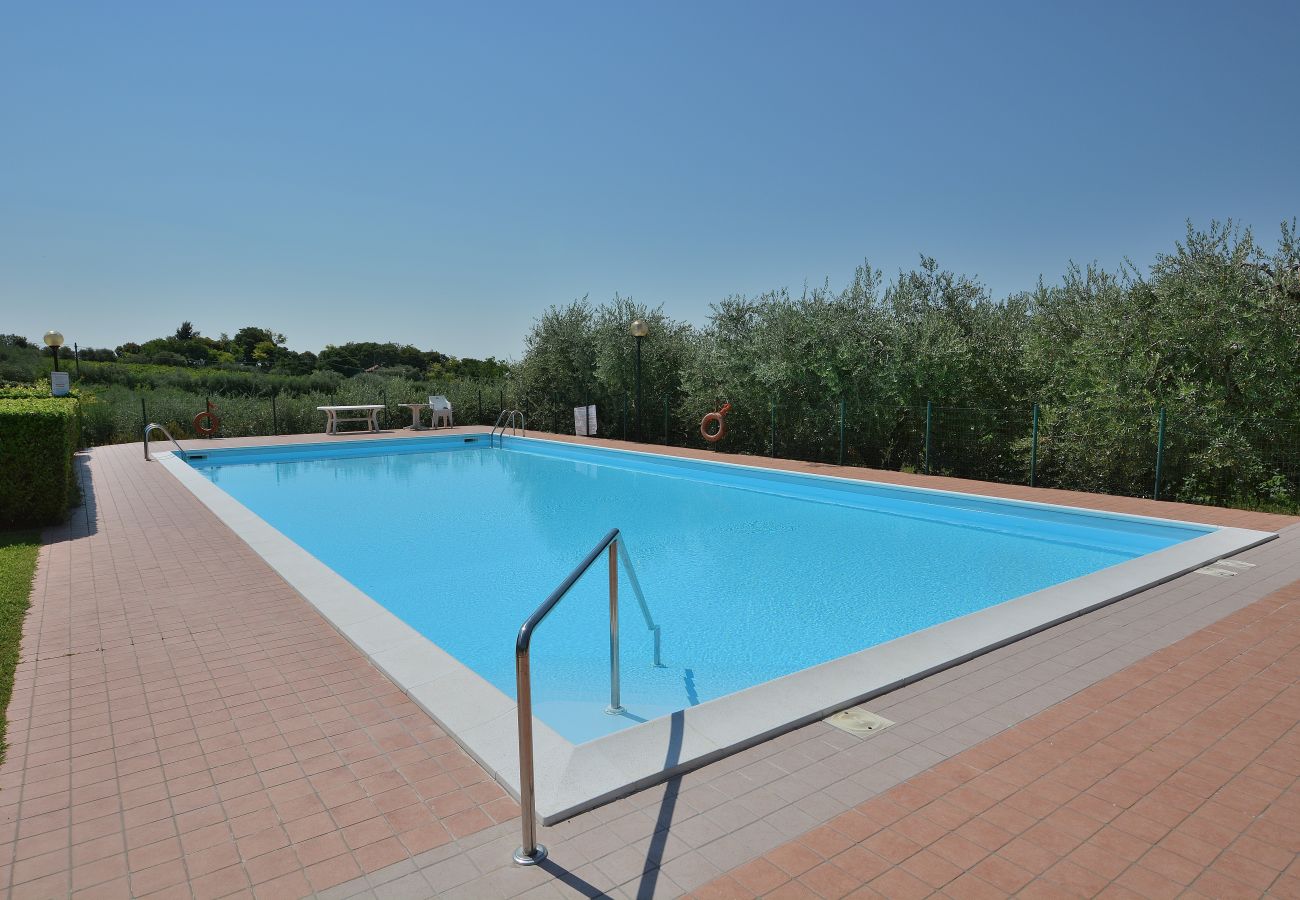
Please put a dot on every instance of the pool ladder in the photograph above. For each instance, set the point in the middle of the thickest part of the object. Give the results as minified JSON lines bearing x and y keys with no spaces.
{"x":151,"y":427}
{"x":512,"y":419}
{"x":530,"y":853}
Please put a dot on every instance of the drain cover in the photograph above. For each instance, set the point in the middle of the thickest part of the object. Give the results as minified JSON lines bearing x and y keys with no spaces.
{"x":859,"y":722}
{"x":1225,"y":568}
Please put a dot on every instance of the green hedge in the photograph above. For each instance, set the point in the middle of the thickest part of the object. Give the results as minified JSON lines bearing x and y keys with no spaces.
{"x":37,"y":440}
{"x":38,"y":390}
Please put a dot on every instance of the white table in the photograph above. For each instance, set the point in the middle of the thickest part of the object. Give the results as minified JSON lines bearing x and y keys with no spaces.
{"x":370,"y":416}
{"x":415,"y":414}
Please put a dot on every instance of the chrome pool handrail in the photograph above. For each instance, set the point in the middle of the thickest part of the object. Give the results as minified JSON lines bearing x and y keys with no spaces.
{"x":150,"y":427}
{"x":530,"y":852}
{"x":508,"y":418}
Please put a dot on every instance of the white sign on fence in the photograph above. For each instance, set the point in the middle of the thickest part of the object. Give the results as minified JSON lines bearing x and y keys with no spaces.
{"x":584,"y":420}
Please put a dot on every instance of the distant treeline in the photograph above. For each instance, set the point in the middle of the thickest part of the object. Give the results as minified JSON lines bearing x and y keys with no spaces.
{"x":254,"y":350}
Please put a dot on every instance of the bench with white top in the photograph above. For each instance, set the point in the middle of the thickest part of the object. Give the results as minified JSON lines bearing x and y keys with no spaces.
{"x":369,"y":415}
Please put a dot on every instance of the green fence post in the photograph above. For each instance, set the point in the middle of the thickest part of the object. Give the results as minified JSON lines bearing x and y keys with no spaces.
{"x":144,"y":416}
{"x":773,"y":405}
{"x":665,"y":420}
{"x":928,"y":410}
{"x":480,"y":405}
{"x":625,"y":417}
{"x":383,"y":397}
{"x":1033,"y":452}
{"x":275,"y":425}
{"x":1160,"y":452}
{"x":841,"y":431}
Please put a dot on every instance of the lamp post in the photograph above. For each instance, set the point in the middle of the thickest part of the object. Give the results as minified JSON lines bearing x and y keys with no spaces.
{"x":54,"y":341}
{"x":639,"y":330}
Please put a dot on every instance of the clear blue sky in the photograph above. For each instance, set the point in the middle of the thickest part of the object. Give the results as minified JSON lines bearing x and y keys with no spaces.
{"x":439,"y":173}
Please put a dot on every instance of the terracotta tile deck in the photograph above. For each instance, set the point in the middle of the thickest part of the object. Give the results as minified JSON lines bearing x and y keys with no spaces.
{"x":183,"y":723}
{"x":1178,"y":775}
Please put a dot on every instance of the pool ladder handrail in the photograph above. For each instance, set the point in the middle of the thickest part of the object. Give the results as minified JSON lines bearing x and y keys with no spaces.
{"x":530,"y":852}
{"x":150,"y":427}
{"x":509,"y":418}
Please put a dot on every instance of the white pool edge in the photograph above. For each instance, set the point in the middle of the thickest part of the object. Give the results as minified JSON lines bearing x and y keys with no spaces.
{"x":573,"y":778}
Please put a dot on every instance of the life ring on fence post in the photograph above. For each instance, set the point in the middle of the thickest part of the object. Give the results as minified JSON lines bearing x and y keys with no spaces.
{"x":715,"y":436}
{"x":209,"y":427}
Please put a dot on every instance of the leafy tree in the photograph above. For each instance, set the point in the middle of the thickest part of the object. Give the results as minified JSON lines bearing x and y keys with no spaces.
{"x":247,"y":339}
{"x":452,"y":367}
{"x":1208,"y":333}
{"x":354,"y":357}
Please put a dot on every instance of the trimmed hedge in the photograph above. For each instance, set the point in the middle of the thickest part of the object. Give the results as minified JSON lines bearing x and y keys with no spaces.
{"x":38,"y":437}
{"x":37,"y":391}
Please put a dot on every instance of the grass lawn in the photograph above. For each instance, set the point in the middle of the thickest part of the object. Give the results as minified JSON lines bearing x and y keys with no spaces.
{"x":18,"y":551}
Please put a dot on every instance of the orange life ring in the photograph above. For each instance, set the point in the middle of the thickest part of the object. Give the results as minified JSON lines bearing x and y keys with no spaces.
{"x":209,"y":429}
{"x":714,"y":436}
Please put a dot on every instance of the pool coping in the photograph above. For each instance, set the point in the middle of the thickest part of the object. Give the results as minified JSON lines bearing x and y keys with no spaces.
{"x":574,"y":778}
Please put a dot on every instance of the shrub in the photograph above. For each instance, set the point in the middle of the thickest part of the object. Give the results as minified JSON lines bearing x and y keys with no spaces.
{"x":38,"y":391}
{"x":19,"y":360}
{"x":37,"y":440}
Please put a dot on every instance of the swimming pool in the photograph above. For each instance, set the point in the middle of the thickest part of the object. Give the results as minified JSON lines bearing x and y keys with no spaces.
{"x":753,"y":576}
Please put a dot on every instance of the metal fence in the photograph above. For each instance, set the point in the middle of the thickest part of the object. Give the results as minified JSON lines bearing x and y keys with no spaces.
{"x":117,"y":414}
{"x":1158,"y":453}
{"x":1151,"y":453}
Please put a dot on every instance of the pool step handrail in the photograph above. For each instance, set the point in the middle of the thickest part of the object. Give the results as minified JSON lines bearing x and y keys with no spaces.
{"x":154,"y":425}
{"x":530,"y":852}
{"x":512,"y":419}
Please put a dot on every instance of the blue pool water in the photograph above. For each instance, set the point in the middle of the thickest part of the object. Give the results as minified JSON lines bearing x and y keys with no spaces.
{"x":750,"y":574}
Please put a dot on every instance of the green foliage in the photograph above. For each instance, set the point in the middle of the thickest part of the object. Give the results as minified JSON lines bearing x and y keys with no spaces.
{"x":112,"y":413}
{"x":452,"y":367}
{"x":1209,"y":333}
{"x":210,"y":379}
{"x":252,"y":364}
{"x":356,"y":357}
{"x":38,"y":390}
{"x":19,"y":359}
{"x":18,"y":553}
{"x":580,"y":353}
{"x":37,"y":440}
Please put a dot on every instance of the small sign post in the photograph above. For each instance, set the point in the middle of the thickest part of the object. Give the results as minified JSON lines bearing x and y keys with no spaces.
{"x":584,"y":421}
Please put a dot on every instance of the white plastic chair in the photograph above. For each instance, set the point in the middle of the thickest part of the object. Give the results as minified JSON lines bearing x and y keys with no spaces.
{"x":440,"y":406}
